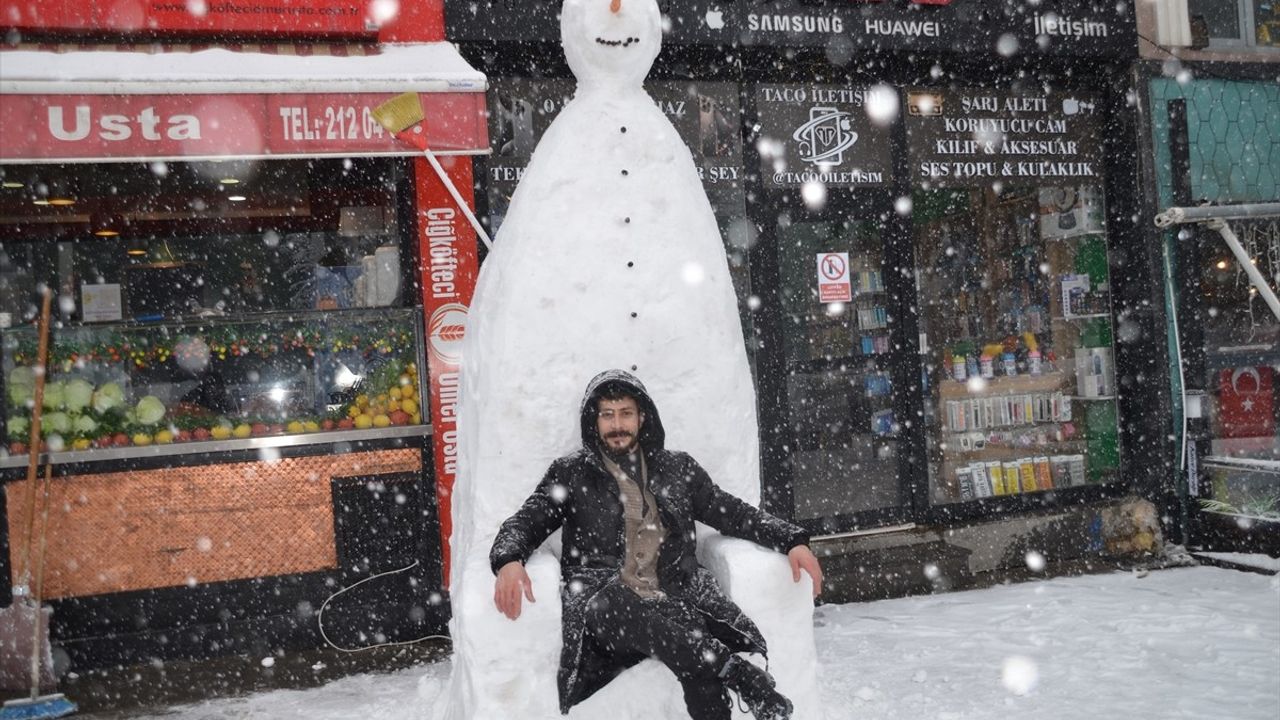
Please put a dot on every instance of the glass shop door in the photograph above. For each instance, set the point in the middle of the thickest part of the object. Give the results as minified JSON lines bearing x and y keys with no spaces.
{"x":837,"y":331}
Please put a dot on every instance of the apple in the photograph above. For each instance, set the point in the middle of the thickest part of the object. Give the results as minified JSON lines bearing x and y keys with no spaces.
{"x":183,"y":436}
{"x":120,"y":440}
{"x":17,"y":448}
{"x":259,"y":429}
{"x":346,"y":424}
{"x":328,"y":424}
{"x":201,"y":434}
{"x":276,"y":429}
{"x":399,"y":417}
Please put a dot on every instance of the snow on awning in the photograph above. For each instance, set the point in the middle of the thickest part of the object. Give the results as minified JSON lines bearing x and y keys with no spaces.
{"x":276,"y":101}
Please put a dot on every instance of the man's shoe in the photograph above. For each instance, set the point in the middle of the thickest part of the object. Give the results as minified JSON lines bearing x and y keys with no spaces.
{"x":755,"y":687}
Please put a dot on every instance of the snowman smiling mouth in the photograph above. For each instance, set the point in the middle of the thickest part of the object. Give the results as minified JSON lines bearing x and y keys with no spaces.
{"x":618,"y":43}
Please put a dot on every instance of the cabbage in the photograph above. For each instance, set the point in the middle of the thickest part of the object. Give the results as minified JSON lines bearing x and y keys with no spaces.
{"x":54,"y":395}
{"x":77,"y":393}
{"x":108,"y":397}
{"x":84,"y":425}
{"x":150,"y":410}
{"x":57,"y":422}
{"x":22,"y":376}
{"x":18,"y":427}
{"x":20,"y":395}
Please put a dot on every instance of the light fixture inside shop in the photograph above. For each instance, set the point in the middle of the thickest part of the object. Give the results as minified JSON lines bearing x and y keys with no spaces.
{"x":103,"y":225}
{"x":230,"y":181}
{"x":12,"y":185}
{"x":236,"y":198}
{"x":135,"y":248}
{"x":56,"y":193}
{"x":1222,"y":265}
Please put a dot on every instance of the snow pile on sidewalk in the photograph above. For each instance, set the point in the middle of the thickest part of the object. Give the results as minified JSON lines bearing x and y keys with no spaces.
{"x":1190,"y":643}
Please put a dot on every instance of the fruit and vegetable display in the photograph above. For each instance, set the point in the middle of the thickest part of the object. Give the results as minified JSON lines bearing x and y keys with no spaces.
{"x":78,"y":415}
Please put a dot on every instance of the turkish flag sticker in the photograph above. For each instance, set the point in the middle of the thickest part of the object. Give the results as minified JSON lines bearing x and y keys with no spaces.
{"x":1246,"y":402}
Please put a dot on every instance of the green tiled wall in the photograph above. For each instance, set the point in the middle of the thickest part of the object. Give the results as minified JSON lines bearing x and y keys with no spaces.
{"x":1234,"y":129}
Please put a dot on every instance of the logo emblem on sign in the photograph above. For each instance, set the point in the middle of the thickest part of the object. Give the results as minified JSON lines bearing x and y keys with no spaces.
{"x":826,"y":136}
{"x":445,"y":331}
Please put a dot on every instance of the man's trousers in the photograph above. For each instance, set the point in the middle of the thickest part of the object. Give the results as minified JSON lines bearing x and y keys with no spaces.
{"x":623,"y":623}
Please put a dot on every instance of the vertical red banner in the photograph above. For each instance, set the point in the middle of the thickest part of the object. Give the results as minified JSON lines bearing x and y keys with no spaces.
{"x":448,"y":268}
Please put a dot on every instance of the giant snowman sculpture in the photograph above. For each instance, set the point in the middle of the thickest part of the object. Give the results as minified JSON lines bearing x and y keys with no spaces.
{"x":609,"y":257}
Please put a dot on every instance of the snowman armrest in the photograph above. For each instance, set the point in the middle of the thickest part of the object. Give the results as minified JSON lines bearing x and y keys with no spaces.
{"x":757,"y":579}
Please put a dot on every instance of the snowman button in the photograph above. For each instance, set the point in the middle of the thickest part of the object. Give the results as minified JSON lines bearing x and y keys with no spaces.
{"x":625,"y":173}
{"x":634,"y":315}
{"x":624,"y":128}
{"x":634,"y":368}
{"x":627,"y":220}
{"x":630,"y":264}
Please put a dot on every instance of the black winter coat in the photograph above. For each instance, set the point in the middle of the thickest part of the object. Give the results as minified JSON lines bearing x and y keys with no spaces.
{"x":580,"y":496}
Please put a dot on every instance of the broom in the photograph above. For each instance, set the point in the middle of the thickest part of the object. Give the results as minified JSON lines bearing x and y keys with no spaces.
{"x":402,"y":115}
{"x":37,"y":706}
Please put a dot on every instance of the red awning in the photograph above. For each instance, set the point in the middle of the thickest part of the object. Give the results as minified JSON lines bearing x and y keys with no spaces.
{"x":110,"y":104}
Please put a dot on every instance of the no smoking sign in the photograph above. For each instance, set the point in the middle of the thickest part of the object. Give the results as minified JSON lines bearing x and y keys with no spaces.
{"x":833,"y":278}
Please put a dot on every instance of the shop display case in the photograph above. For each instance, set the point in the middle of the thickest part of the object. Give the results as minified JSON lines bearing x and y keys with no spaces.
{"x":1018,"y":321}
{"x":211,"y":384}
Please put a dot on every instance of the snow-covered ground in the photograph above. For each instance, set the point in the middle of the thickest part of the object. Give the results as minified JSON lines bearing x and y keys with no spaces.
{"x":1197,"y":643}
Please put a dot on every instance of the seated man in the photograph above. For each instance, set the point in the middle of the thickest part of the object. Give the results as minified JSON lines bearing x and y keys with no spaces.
{"x":631,"y":585}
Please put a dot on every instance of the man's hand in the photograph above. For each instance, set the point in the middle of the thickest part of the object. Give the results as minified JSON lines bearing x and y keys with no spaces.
{"x":513,"y":582}
{"x":801,"y":558}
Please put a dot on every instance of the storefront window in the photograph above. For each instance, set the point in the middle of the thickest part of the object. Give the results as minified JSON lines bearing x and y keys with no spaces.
{"x":1014,"y":293}
{"x":1266,"y":22}
{"x":1221,"y":17}
{"x":208,"y":301}
{"x":1242,"y":360}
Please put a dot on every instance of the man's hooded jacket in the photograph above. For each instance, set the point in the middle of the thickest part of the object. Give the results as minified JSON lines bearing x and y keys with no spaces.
{"x":579,"y":495}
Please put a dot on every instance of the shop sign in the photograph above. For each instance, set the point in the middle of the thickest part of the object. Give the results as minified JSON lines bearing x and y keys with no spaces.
{"x":833,"y":278}
{"x":707,"y":117}
{"x":976,"y":136}
{"x":63,"y":127}
{"x":981,"y":27}
{"x":685,"y":22}
{"x":820,"y":133}
{"x":275,"y":17}
{"x":985,"y":27}
{"x":447,"y":246}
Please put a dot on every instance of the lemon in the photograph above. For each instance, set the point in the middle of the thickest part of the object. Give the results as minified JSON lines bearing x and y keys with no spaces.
{"x":409,"y":406}
{"x":415,"y":418}
{"x":220,"y":432}
{"x":80,"y":444}
{"x":294,"y":427}
{"x":353,"y":411}
{"x":311,"y":426}
{"x":364,"y":421}
{"x":394,"y":393}
{"x":381,"y":420}
{"x":141,"y":439}
{"x":164,"y":437}
{"x":362,"y":401}
{"x":242,"y":431}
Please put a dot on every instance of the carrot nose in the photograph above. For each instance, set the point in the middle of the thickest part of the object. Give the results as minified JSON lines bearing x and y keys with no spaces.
{"x":615,"y":6}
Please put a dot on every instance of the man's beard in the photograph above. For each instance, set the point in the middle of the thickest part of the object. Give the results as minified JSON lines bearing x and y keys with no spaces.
{"x":614,"y":450}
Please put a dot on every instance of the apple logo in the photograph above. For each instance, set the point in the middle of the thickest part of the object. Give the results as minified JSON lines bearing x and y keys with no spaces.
{"x":715,"y":18}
